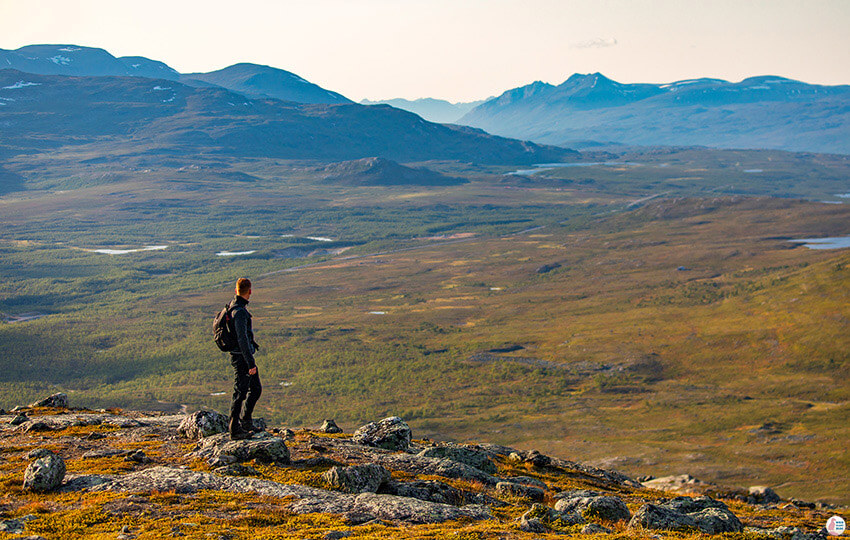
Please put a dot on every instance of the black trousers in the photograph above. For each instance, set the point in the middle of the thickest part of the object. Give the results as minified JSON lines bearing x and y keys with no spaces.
{"x":246,"y":392}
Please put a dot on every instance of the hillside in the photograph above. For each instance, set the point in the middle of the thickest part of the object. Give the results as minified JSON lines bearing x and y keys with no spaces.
{"x":758,"y":112}
{"x":433,"y":110}
{"x":78,"y":473}
{"x":257,"y":81}
{"x":383,"y":172}
{"x":134,"y":114}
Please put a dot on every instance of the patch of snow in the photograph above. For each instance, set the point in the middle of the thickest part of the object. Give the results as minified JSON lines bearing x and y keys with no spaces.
{"x":377,"y":313}
{"x":60,"y":60}
{"x":70,"y":49}
{"x":843,"y":195}
{"x":297,"y":78}
{"x":287,"y":236}
{"x":218,"y":393}
{"x":319,"y":238}
{"x":158,"y":87}
{"x":234,"y":253}
{"x":169,"y":100}
{"x":495,"y":288}
{"x":20,"y":84}
{"x":759,"y":88}
{"x":125,"y":251}
{"x":285,"y":383}
{"x":331,"y":94}
{"x":753,"y":170}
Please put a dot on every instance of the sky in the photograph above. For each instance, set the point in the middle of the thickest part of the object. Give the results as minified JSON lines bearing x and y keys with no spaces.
{"x":459,"y":50}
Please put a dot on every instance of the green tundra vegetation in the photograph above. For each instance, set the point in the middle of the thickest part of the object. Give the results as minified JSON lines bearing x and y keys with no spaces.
{"x":647,"y":313}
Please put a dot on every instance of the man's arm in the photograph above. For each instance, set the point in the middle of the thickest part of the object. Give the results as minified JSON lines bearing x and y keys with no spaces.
{"x":240,"y":324}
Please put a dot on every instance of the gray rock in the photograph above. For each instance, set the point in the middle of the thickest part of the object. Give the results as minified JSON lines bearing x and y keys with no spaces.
{"x":35,"y":426}
{"x":704,"y":513}
{"x":202,"y":424}
{"x":575,"y":493}
{"x":237,"y":469}
{"x":39,"y":453}
{"x":520,"y":490}
{"x":528,"y":481}
{"x":104,"y":452}
{"x":425,"y":490}
{"x":604,"y":507}
{"x":594,"y":528}
{"x":11,"y":526}
{"x":762,"y":495}
{"x":794,"y":533}
{"x":532,"y":525}
{"x":655,"y":517}
{"x":44,"y":474}
{"x":471,"y":456}
{"x":18,"y":420}
{"x":357,"y":478}
{"x":308,"y":500}
{"x":390,"y":433}
{"x":329,"y":426}
{"x":58,"y":400}
{"x":84,"y":482}
{"x":548,"y":517}
{"x":434,"y":466}
{"x":137,"y":457}
{"x":263,"y":447}
{"x":336,"y":535}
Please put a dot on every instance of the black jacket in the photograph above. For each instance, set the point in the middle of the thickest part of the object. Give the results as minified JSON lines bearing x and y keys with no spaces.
{"x":244,"y":332}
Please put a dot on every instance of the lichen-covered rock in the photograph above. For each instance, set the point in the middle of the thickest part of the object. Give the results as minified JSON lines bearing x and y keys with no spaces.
{"x":520,"y":490}
{"x":434,"y":466}
{"x":371,"y":506}
{"x":528,"y":481}
{"x":45,"y":473}
{"x":595,"y":528}
{"x":550,"y":517}
{"x":604,"y":507}
{"x":704,"y":513}
{"x":424,"y":490}
{"x":202,"y":424}
{"x":762,"y":495}
{"x":329,"y":426}
{"x":655,"y":517}
{"x":357,"y":478}
{"x":58,"y":400}
{"x":35,"y":426}
{"x":471,"y":456}
{"x":265,"y":449}
{"x":236,"y":469}
{"x":390,"y":433}
{"x":18,"y":420}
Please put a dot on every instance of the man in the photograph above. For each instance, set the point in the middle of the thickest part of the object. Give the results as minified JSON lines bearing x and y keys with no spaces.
{"x":246,"y":385}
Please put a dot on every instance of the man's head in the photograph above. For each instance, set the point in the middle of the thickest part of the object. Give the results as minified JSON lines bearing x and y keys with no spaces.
{"x":243,"y":288}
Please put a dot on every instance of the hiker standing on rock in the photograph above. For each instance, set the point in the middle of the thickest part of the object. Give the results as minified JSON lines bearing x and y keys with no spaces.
{"x":246,"y":385}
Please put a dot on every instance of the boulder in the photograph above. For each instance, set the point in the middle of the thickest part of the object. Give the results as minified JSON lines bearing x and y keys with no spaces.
{"x":357,"y":478}
{"x":266,"y":450}
{"x":19,"y":419}
{"x":59,"y":401}
{"x":390,"y":433}
{"x":682,"y":513}
{"x":604,"y":507}
{"x":762,"y":495}
{"x":594,"y":528}
{"x":424,"y":490}
{"x":471,"y":456}
{"x":45,"y":473}
{"x":202,"y":424}
{"x":236,"y":469}
{"x":432,"y":466}
{"x":520,"y":490}
{"x":329,"y":426}
{"x":551,"y":517}
{"x":35,"y":426}
{"x":528,"y":481}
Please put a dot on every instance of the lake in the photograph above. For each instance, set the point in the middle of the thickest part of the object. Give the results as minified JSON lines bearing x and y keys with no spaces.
{"x":833,"y":242}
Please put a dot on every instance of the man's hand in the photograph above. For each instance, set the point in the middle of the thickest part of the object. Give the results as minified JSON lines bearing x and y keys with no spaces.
{"x":252,"y":371}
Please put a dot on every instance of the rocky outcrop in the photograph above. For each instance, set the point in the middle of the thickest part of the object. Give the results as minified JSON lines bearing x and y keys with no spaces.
{"x":45,"y":473}
{"x":356,"y":508}
{"x":263,"y":447}
{"x":58,"y":401}
{"x":524,"y":491}
{"x":540,"y":518}
{"x":593,"y":505}
{"x":357,"y":478}
{"x":202,"y":424}
{"x":762,"y":495}
{"x":469,"y":455}
{"x":329,"y":426}
{"x":685,"y":513}
{"x":390,"y":433}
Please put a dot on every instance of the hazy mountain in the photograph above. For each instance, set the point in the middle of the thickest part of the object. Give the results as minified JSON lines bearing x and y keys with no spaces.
{"x":248,"y":79}
{"x":156,"y":115}
{"x":263,"y":81}
{"x":376,"y":171}
{"x":433,"y":110}
{"x":759,"y":112}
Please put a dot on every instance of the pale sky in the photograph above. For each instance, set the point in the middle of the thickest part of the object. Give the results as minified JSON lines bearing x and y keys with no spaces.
{"x":460,"y":50}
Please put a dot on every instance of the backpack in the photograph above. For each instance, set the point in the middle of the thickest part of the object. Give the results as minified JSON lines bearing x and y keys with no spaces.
{"x":223,"y":333}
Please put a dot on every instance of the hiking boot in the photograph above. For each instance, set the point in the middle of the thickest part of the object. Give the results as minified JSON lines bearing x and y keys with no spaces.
{"x":240,"y":435}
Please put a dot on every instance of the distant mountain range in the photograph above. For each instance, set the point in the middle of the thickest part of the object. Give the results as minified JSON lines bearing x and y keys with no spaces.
{"x":156,"y":116}
{"x":759,"y":112}
{"x":250,"y":80}
{"x":433,"y":110}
